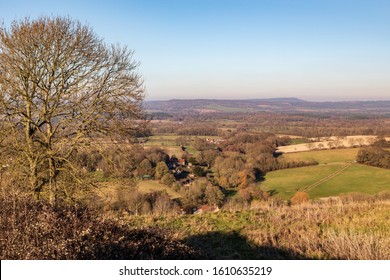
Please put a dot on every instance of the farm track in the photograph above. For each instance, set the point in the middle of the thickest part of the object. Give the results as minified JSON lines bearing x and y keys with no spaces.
{"x":327,"y":178}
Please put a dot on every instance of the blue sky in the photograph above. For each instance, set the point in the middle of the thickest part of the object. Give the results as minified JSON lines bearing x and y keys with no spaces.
{"x":315,"y":50}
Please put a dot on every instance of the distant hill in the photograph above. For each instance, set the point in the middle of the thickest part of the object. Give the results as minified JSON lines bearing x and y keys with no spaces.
{"x":287,"y":105}
{"x":283,"y":99}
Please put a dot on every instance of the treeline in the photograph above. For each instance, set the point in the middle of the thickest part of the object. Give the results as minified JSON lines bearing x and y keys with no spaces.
{"x":121,"y":161}
{"x":304,"y":124}
{"x":374,"y":157}
{"x":205,"y":130}
{"x":185,"y":128}
{"x":134,"y":202}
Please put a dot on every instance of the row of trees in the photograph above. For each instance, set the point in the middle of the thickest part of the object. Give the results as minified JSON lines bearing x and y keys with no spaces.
{"x":138,"y":203}
{"x":307,"y":125}
{"x":186,"y":128}
{"x":374,"y":156}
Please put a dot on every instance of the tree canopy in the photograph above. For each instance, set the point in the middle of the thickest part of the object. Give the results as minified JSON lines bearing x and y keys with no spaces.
{"x":60,"y":87}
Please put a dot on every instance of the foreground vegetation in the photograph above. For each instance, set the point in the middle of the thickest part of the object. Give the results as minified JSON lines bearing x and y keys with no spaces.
{"x":353,"y":227}
{"x":327,"y":230}
{"x":37,"y":230}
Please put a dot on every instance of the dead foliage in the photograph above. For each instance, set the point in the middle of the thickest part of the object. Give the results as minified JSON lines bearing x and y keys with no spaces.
{"x":37,"y":230}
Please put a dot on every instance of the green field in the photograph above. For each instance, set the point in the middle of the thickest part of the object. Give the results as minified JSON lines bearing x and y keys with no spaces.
{"x":161,"y":140}
{"x":356,"y":178}
{"x":287,"y":181}
{"x":335,"y":174}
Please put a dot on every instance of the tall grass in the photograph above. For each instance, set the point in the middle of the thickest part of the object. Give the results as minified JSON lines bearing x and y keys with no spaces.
{"x":333,"y":229}
{"x":350,"y":227}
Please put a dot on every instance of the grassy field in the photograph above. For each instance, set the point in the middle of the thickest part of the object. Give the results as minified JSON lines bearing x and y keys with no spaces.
{"x":356,"y":178}
{"x":109,"y":192}
{"x":284,"y":183}
{"x":296,"y":141}
{"x":168,"y":143}
{"x":347,"y":142}
{"x":173,"y":150}
{"x":165,"y":142}
{"x":335,"y":174}
{"x":325,"y":156}
{"x":153,"y":185}
{"x":161,"y":140}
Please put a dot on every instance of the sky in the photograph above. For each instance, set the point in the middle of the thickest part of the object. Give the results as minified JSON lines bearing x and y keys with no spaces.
{"x":222,"y":49}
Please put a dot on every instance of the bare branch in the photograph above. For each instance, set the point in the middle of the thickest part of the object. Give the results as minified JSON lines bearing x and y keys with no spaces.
{"x":60,"y":87}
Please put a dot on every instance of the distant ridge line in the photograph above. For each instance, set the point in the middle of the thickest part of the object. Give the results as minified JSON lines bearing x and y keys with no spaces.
{"x":359,"y":109}
{"x":285,"y":99}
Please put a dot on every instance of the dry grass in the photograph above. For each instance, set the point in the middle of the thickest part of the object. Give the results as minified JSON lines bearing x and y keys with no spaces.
{"x":328,"y":230}
{"x":325,"y":143}
{"x":332,"y":229}
{"x":347,"y":227}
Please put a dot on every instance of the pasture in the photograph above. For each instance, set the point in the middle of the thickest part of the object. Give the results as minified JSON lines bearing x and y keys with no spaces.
{"x":325,"y":156}
{"x":147,"y":186}
{"x":336,"y":174}
{"x":284,"y":183}
{"x":330,"y":142}
{"x":112,"y":191}
{"x":169,"y":143}
{"x":356,"y":178}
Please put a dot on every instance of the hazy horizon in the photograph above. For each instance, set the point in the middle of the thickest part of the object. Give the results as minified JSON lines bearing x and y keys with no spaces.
{"x":276,"y":97}
{"x":313,"y":50}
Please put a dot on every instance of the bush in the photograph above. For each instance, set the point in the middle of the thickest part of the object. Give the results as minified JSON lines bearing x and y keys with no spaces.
{"x":384,"y":195}
{"x":168,"y":179}
{"x":36,"y":230}
{"x":299,"y":198}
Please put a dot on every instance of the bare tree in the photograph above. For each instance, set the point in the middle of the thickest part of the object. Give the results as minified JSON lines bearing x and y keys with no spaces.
{"x":311,"y":146}
{"x":338,"y":142}
{"x":60,"y":87}
{"x":352,"y":142}
{"x":330,"y":144}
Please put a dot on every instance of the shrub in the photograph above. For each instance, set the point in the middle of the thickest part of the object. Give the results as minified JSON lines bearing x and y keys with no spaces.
{"x":168,"y":179}
{"x":31,"y":229}
{"x":299,"y":198}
